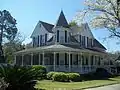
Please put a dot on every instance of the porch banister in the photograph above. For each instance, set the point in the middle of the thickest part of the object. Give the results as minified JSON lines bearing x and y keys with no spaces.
{"x":31,"y":58}
{"x":43,"y":63}
{"x":54,"y":60}
{"x":69,"y":62}
{"x":22,"y":59}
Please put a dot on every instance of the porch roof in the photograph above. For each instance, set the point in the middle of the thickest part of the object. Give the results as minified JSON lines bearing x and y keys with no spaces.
{"x":53,"y":48}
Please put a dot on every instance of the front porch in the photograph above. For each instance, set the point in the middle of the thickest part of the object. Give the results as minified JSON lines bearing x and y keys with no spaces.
{"x":62,"y":61}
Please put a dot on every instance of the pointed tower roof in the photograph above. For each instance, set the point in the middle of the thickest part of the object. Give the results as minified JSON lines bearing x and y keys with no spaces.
{"x":62,"y":20}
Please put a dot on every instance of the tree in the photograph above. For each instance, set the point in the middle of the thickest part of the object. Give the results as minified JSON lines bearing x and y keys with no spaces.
{"x":13,"y":46}
{"x":103,"y":14}
{"x":8,"y":30}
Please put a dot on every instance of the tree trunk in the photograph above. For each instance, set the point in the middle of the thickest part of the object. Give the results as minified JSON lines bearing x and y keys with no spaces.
{"x":2,"y":60}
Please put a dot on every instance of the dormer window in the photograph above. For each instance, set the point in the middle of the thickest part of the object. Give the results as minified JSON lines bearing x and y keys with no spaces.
{"x":57,"y":35}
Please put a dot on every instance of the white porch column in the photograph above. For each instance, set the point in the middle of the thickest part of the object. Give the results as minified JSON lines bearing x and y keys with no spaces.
{"x":39,"y":58}
{"x":31,"y":59}
{"x":15,"y":59}
{"x":81,"y":62}
{"x":43,"y":63}
{"x":22,"y":59}
{"x":54,"y":59}
{"x":69,"y":62}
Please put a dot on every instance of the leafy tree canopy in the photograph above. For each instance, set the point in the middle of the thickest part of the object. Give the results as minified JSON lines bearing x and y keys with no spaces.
{"x":102,"y":14}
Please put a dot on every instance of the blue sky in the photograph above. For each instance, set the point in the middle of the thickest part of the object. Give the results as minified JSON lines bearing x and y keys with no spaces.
{"x":29,"y":12}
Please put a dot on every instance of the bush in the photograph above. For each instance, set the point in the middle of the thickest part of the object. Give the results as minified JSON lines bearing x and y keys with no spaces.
{"x":20,"y":78}
{"x":60,"y":76}
{"x":63,"y":77}
{"x":74,"y":76}
{"x":102,"y":73}
{"x":40,"y":70}
{"x":50,"y":75}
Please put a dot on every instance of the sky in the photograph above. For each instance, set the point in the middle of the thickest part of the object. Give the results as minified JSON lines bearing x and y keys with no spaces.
{"x":29,"y":12}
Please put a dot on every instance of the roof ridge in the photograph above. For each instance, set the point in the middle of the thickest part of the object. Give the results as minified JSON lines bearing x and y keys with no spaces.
{"x":45,"y":22}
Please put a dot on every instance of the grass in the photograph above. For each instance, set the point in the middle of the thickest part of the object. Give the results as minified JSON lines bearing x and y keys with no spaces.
{"x":50,"y":85}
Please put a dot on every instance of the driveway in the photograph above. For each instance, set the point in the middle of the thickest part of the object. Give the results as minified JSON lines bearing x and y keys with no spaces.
{"x":109,"y":87}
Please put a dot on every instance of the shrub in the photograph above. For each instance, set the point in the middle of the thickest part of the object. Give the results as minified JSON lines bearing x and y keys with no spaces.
{"x":50,"y":75}
{"x":60,"y":76}
{"x":63,"y":77}
{"x":74,"y":76}
{"x":102,"y":73}
{"x":40,"y":70}
{"x":19,"y":78}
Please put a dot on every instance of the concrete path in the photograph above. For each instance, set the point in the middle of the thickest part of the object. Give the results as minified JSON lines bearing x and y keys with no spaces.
{"x":109,"y":87}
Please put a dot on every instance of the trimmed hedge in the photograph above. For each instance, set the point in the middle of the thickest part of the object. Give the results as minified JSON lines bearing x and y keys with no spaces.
{"x":63,"y":77}
{"x":50,"y":75}
{"x":74,"y":77}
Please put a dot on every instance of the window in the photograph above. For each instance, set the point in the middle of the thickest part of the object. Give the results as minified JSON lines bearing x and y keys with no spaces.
{"x":45,"y":37}
{"x":57,"y":35}
{"x":71,"y":58}
{"x":33,"y":41}
{"x":57,"y":58}
{"x":65,"y":36}
{"x":66,"y":61}
{"x":38,"y":41}
{"x":35,"y":59}
{"x":42,"y":39}
{"x":80,"y":39}
{"x":87,"y":42}
{"x":76,"y":59}
{"x":92,"y":57}
{"x":98,"y":60}
{"x":83,"y":40}
{"x":86,"y":61}
{"x":90,"y":42}
{"x":83,"y":60}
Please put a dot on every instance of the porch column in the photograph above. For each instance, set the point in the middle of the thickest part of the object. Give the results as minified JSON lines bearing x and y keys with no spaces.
{"x":31,"y":59}
{"x":43,"y":63}
{"x":81,"y":62}
{"x":39,"y":58}
{"x":22,"y":59}
{"x":69,"y":62}
{"x":15,"y":59}
{"x":54,"y":59}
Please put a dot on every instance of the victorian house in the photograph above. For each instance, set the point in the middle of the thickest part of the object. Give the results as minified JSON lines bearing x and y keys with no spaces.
{"x":62,"y":47}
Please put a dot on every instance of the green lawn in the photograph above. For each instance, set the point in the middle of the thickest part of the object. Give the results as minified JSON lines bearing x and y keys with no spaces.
{"x":49,"y":85}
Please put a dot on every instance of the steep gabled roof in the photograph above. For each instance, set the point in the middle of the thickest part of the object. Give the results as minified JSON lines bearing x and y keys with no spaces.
{"x":47,"y":26}
{"x":98,"y":44}
{"x":62,"y":20}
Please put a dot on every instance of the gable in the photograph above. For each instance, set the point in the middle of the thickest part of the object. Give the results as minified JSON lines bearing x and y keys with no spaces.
{"x":83,"y":30}
{"x":39,"y":29}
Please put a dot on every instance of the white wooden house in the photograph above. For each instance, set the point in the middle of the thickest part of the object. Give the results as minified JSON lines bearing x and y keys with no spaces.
{"x":63,"y":48}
